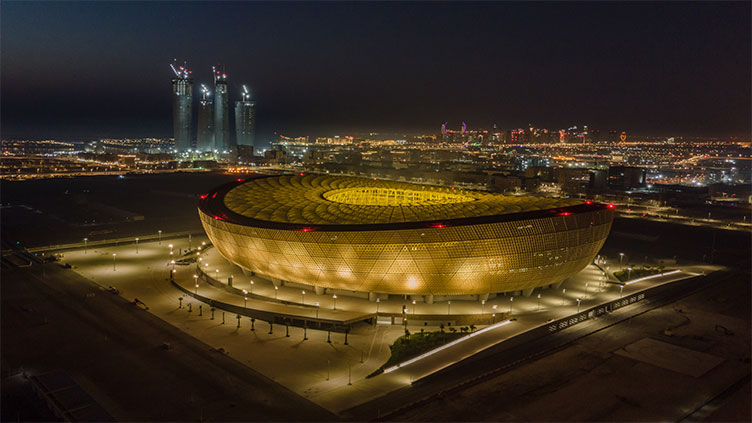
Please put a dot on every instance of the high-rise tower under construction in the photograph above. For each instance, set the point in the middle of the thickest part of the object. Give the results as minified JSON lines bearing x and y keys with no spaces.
{"x":182,"y":101}
{"x":205,"y":135}
{"x":221,"y":113}
{"x":245,"y":119}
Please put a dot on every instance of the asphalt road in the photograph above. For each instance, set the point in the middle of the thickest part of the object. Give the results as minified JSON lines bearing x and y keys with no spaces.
{"x":590,"y":380}
{"x":501,"y":358}
{"x":114,"y":350}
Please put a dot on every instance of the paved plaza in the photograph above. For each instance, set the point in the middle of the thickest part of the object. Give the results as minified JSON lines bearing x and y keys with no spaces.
{"x":330,"y":374}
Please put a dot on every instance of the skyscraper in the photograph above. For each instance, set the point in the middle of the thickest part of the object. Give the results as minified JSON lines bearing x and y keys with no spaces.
{"x":221,"y":112}
{"x":245,"y":119}
{"x":205,"y":136}
{"x":182,"y":100}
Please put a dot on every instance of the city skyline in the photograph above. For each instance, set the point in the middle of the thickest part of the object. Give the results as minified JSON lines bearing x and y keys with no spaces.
{"x":663,"y":69}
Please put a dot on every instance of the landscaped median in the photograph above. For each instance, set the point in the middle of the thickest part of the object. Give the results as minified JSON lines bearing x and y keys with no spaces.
{"x":410,"y":348}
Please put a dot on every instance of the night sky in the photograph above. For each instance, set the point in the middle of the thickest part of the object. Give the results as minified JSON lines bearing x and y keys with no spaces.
{"x":90,"y":69}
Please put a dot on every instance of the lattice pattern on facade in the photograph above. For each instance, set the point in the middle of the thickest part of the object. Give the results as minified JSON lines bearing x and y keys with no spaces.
{"x":452,"y":260}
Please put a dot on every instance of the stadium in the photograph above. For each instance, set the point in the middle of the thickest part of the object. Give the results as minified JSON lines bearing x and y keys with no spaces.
{"x":386,"y":237}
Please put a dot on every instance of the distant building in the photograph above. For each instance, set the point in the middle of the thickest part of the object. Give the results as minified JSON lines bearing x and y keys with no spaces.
{"x":573,"y":180}
{"x":504,"y":183}
{"x":182,"y":100}
{"x":545,"y":173}
{"x":221,"y":113}
{"x":205,"y":135}
{"x":245,"y":119}
{"x":624,"y":177}
{"x":522,"y":163}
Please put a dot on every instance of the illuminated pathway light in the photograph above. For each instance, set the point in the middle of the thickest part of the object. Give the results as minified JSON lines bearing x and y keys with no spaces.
{"x":652,"y":276}
{"x":445,"y":346}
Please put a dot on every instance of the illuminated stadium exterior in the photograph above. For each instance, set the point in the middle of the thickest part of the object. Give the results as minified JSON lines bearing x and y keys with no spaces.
{"x":388,"y":237}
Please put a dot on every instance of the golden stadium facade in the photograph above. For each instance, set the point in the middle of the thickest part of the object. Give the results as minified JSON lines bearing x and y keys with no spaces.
{"x":391,"y":237}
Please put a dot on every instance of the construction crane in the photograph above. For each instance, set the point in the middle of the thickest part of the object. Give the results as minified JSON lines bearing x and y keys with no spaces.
{"x":219,"y":75}
{"x":182,"y":72}
{"x":205,"y":92}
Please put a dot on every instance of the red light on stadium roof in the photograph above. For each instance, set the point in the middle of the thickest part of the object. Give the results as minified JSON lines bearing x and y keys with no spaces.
{"x":306,"y":229}
{"x":452,"y":187}
{"x":439,"y":225}
{"x":203,"y":196}
{"x":588,"y":202}
{"x":240,"y":179}
{"x":611,"y":206}
{"x":302,"y":174}
{"x":564,"y":214}
{"x":214,"y":195}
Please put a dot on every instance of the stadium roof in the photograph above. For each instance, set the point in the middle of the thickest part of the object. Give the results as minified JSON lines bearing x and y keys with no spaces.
{"x":339,"y":200}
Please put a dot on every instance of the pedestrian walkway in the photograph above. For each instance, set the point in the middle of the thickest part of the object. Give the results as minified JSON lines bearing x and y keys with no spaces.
{"x":331,"y":374}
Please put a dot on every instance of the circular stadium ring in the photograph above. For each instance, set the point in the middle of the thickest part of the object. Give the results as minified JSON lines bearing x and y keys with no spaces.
{"x":367,"y":235}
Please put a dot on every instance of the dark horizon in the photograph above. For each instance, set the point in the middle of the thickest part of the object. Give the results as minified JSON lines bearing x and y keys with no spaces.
{"x":88,"y":70}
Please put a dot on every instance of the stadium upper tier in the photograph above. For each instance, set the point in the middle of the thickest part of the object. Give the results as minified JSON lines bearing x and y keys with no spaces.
{"x":339,"y":200}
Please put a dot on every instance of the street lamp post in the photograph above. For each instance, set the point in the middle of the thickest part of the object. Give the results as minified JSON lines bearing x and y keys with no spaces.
{"x":276,"y":289}
{"x":302,"y":293}
{"x":86,"y":240}
{"x":378,"y":300}
{"x":621,"y":290}
{"x":113,"y":261}
{"x":538,"y":303}
{"x":251,"y":287}
{"x":245,"y":299}
{"x":578,"y":305}
{"x":189,"y":242}
{"x":621,"y":261}
{"x":482,"y":307}
{"x":511,"y":302}
{"x":334,"y":297}
{"x":449,"y":305}
{"x":317,"y":310}
{"x":629,"y":273}
{"x":413,"y":307}
{"x":160,"y":236}
{"x":136,"y":245}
